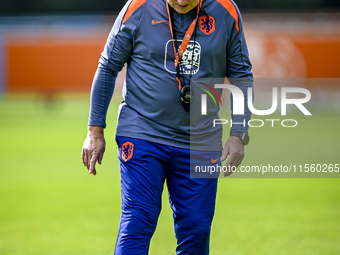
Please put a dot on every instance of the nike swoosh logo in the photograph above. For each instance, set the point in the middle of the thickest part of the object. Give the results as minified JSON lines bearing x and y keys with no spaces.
{"x":157,"y":22}
{"x":214,"y":161}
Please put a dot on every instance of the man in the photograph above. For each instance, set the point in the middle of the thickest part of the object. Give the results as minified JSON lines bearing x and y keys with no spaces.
{"x":166,"y":44}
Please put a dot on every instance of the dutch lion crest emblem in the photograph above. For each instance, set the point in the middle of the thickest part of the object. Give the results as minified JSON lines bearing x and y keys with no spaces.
{"x":207,"y":24}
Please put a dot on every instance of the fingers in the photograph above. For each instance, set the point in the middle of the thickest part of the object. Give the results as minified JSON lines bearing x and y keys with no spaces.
{"x":228,"y":173}
{"x":238,"y":161}
{"x":235,"y":149}
{"x":231,"y":159}
{"x":100,"y":158}
{"x":92,"y":151}
{"x":229,"y":165}
{"x":233,"y":162}
{"x":93,"y":160}
{"x":83,"y":157}
{"x":89,"y":161}
{"x":86,"y":159}
{"x":94,"y":172}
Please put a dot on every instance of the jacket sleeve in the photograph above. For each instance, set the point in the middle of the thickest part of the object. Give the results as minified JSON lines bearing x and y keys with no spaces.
{"x":117,"y":52}
{"x":239,"y":71}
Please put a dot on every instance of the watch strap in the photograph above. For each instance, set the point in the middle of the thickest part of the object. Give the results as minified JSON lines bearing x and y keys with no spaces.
{"x":244,"y":137}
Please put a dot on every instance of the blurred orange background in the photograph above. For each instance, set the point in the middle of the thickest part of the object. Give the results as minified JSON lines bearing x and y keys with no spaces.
{"x":280,"y":46}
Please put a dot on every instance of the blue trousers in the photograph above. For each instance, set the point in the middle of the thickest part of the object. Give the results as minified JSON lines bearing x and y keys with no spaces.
{"x":144,"y":167}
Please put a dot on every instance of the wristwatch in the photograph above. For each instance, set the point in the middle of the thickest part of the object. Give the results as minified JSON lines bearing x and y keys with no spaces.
{"x":243,"y":136}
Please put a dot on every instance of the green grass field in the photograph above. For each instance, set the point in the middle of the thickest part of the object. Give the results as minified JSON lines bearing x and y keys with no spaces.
{"x":50,"y":205}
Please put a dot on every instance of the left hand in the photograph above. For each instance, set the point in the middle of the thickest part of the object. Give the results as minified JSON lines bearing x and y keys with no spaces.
{"x":235,"y":149}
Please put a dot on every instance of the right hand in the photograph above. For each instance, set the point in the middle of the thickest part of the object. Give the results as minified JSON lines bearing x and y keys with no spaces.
{"x":93,"y":148}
